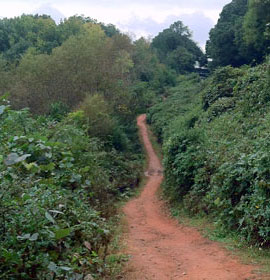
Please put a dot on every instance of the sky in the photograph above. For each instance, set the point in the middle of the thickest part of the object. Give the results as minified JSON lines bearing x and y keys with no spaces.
{"x":138,"y":18}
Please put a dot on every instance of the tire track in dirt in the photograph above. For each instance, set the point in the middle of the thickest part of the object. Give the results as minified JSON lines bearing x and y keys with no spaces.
{"x":161,"y":249}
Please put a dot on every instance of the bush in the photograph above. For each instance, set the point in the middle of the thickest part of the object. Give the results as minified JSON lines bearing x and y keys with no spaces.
{"x":182,"y":157}
{"x":221,"y":84}
{"x":217,"y":150}
{"x":98,"y":116}
{"x":58,"y":187}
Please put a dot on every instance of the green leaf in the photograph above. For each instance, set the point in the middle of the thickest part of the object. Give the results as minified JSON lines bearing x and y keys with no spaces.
{"x":65,"y":268}
{"x":217,"y":201}
{"x":52,"y":267}
{"x":31,"y":166}
{"x":94,"y":254}
{"x":61,"y":233}
{"x":49,"y":217}
{"x":10,"y":256}
{"x":2,"y":109}
{"x":34,"y":237}
{"x":14,"y":158}
{"x":48,"y":167}
{"x":24,"y":237}
{"x":26,"y":197}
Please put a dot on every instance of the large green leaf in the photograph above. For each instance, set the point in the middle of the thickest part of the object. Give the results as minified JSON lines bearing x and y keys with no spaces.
{"x":14,"y":158}
{"x":61,"y":233}
{"x":2,"y":109}
{"x":49,"y":217}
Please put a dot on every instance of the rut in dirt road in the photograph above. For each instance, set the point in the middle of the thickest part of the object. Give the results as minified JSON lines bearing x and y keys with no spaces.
{"x":162,"y":249}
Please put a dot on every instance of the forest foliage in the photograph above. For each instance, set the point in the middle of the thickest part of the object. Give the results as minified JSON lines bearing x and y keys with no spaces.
{"x":58,"y":189}
{"x":69,"y":146}
{"x":215,"y":132}
{"x":176,"y":49}
{"x":69,"y":152}
{"x":241,"y":35}
{"x":215,"y":137}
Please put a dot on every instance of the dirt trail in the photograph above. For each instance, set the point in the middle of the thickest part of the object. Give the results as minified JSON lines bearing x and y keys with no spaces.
{"x":162,"y":249}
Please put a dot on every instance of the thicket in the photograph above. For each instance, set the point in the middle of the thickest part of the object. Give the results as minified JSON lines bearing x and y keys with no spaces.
{"x":215,"y":136}
{"x":87,"y":59}
{"x":59,"y":188}
{"x":69,"y":145}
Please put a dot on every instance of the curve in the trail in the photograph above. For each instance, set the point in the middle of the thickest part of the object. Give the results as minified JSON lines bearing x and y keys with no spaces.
{"x":162,"y":249}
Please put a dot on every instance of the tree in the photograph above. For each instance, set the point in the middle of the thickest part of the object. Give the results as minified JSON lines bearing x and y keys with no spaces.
{"x":176,"y":48}
{"x":20,"y":33}
{"x":257,"y":27}
{"x":225,"y":45}
{"x":5,"y":76}
{"x":85,"y":64}
{"x":145,"y":61}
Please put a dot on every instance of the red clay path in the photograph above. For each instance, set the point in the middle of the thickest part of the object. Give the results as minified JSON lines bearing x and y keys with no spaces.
{"x":161,"y":249}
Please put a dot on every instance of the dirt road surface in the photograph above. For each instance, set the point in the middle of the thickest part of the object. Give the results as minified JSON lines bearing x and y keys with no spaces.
{"x":161,"y":249}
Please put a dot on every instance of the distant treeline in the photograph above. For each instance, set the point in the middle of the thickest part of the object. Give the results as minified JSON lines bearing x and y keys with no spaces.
{"x":42,"y":62}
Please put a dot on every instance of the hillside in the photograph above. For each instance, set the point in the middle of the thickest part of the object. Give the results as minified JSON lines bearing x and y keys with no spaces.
{"x":216,"y":150}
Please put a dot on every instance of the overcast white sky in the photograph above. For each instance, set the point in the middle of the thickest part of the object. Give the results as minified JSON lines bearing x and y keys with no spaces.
{"x":138,"y":17}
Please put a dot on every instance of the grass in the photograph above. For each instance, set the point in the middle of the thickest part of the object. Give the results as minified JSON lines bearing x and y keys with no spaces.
{"x":117,"y":259}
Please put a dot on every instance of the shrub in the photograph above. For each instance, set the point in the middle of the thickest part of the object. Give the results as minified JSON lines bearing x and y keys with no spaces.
{"x":217,"y":150}
{"x":58,"y":187}
{"x":220,"y":84}
{"x":182,"y":157}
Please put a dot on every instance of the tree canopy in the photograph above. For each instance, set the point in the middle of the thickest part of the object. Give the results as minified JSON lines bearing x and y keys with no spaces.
{"x":257,"y":27}
{"x":225,"y":42}
{"x":241,"y":35}
{"x":176,"y":48}
{"x":41,"y":32}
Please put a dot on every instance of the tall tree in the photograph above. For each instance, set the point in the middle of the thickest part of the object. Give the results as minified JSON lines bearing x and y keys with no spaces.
{"x":85,"y":64}
{"x":20,"y":33}
{"x":176,"y":48}
{"x":257,"y":27}
{"x":145,"y":61}
{"x":224,"y":46}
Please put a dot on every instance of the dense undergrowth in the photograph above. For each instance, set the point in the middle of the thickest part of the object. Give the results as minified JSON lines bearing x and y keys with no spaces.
{"x":67,"y":160}
{"x":59,"y":189}
{"x":215,"y":136}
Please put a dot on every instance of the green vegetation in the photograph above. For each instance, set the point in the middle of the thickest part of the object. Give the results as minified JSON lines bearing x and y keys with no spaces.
{"x":176,"y":49}
{"x":59,"y":188}
{"x":241,"y":35}
{"x":19,"y":34}
{"x":225,"y":44}
{"x":69,"y":158}
{"x":69,"y":146}
{"x":215,"y":132}
{"x":216,"y":148}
